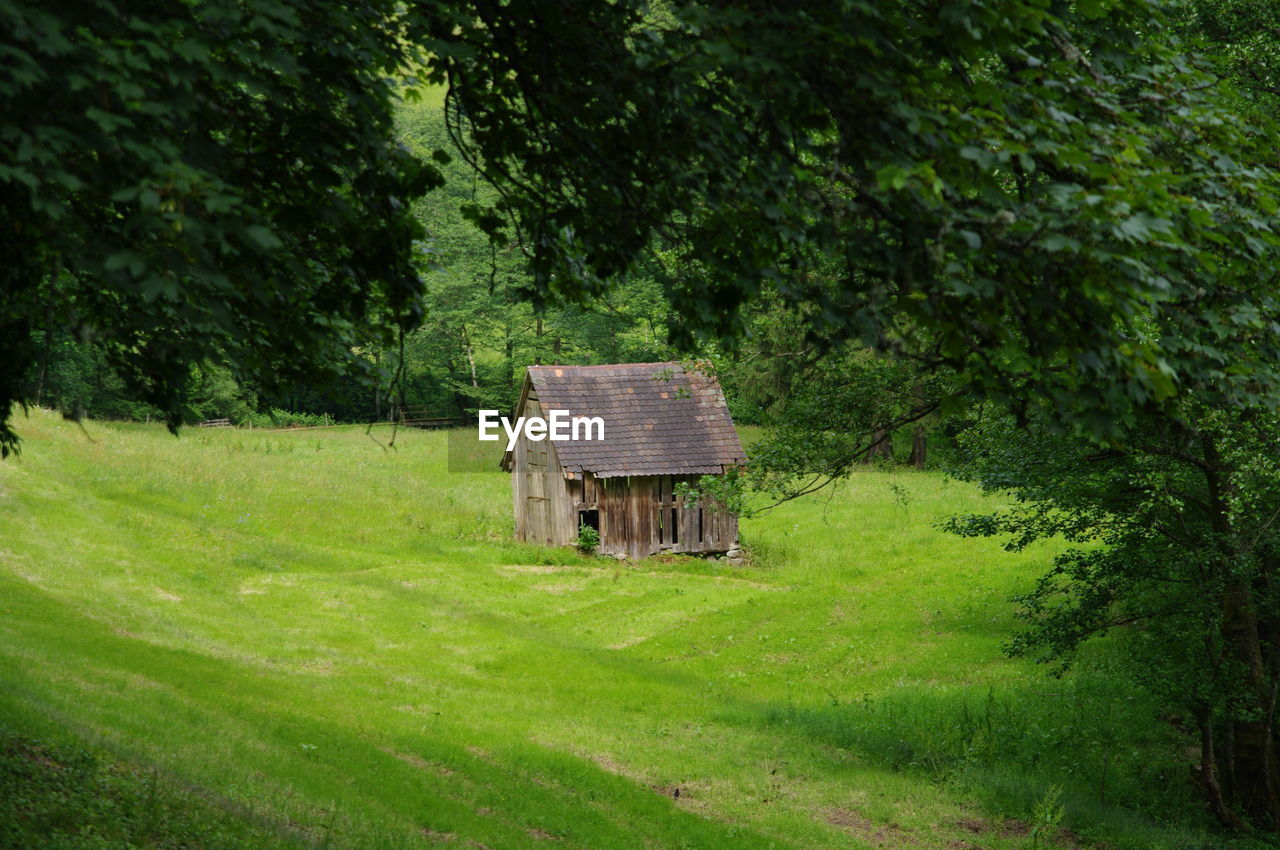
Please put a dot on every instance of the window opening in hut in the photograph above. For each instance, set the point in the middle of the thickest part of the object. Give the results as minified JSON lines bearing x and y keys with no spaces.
{"x":699,"y":525}
{"x":675,"y":526}
{"x":591,"y":519}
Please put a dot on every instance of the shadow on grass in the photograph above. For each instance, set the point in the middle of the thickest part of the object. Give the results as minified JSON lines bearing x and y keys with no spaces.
{"x":192,"y":721}
{"x":1121,"y":772}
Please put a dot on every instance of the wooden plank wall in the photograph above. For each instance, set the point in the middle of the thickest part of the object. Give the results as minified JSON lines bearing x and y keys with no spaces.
{"x":544,"y":510}
{"x":639,"y":515}
{"x":626,"y":522}
{"x":642,"y":515}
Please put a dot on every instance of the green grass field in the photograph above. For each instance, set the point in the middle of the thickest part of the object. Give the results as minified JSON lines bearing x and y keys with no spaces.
{"x":330,"y":643}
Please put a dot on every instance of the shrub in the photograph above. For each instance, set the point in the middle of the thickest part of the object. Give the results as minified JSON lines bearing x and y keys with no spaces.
{"x":588,"y":539}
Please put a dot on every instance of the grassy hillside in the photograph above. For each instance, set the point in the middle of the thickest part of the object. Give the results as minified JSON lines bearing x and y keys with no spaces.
{"x":336,"y":643}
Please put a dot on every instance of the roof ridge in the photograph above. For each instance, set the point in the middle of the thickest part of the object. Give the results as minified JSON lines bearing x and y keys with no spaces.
{"x":605,"y":365}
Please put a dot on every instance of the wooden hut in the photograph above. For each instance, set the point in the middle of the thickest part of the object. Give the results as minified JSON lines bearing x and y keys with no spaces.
{"x":662,"y":426}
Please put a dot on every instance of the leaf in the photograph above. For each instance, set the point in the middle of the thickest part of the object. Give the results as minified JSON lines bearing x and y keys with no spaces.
{"x":1059,"y":242}
{"x":892,"y":177}
{"x":119,"y":260}
{"x":263,"y":237}
{"x":1140,"y":226}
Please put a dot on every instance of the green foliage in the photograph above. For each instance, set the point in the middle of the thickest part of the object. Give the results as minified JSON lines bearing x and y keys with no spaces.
{"x":835,"y":412}
{"x":480,"y":329}
{"x":77,"y":379}
{"x":1176,"y":548}
{"x":588,"y":539}
{"x":1246,"y":35}
{"x":1047,"y":814}
{"x":203,"y":181}
{"x":1020,"y":212}
{"x":277,"y":418}
{"x":216,"y":394}
{"x":1016,"y":190}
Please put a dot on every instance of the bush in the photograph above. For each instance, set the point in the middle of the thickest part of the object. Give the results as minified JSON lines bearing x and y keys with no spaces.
{"x":588,"y":539}
{"x":286,"y":419}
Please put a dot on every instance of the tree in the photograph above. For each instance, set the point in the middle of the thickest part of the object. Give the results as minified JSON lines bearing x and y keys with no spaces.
{"x":1246,"y":35}
{"x":1013,"y":190}
{"x":480,"y":329}
{"x":1178,"y":549}
{"x":825,"y":409}
{"x":195,"y":181}
{"x":1023,"y":184}
{"x":1179,"y":512}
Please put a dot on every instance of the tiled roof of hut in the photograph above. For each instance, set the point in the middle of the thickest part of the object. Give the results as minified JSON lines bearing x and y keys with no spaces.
{"x":659,"y":419}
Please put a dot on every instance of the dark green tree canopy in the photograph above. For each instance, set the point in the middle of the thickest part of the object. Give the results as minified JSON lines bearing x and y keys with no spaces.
{"x":1048,"y":197}
{"x":193,"y":180}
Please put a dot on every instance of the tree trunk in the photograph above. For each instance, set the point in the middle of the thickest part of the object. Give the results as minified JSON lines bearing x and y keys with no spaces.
{"x":451,"y":369}
{"x":919,"y":447}
{"x":1253,"y":783}
{"x":377,"y":391}
{"x":1254,"y":776}
{"x":881,"y":447}
{"x":44,"y":366}
{"x":509,"y":360}
{"x":1208,"y":777}
{"x":471,"y":357}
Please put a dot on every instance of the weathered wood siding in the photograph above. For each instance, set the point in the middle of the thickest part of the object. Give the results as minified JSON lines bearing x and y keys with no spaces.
{"x":642,"y":515}
{"x":638,"y":515}
{"x":539,"y":492}
{"x":662,"y":419}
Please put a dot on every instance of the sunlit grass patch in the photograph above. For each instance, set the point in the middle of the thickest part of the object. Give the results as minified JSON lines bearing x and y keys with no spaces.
{"x":333,"y":634}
